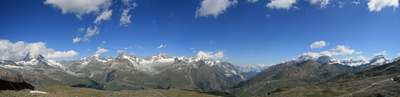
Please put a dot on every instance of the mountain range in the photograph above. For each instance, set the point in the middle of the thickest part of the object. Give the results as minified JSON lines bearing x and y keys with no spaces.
{"x":380,"y":81}
{"x":162,"y":71}
{"x":129,"y":72}
{"x":305,"y":70}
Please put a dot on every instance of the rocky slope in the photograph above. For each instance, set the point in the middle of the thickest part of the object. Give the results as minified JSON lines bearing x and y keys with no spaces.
{"x":378,"y":81}
{"x":299,"y":74}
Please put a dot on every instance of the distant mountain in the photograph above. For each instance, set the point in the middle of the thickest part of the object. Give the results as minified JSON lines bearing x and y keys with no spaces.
{"x":299,"y":74}
{"x":129,"y":72}
{"x":165,"y":71}
{"x":381,"y":81}
{"x":304,"y":70}
{"x":41,"y":72}
{"x":377,"y":60}
{"x":251,"y":71}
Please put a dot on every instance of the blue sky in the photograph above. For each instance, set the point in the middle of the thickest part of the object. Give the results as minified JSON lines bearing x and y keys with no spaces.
{"x":246,"y":32}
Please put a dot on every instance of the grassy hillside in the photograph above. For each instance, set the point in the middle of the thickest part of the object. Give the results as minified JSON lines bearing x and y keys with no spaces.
{"x":54,"y":91}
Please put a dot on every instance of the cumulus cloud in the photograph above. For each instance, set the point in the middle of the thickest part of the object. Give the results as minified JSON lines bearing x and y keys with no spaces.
{"x":213,"y":7}
{"x":18,"y":50}
{"x":162,"y":46}
{"x":339,"y":50}
{"x":382,"y":53}
{"x":358,"y":52}
{"x":79,"y":7}
{"x":216,"y":55}
{"x":377,"y":5}
{"x":318,"y":44}
{"x":322,"y":3}
{"x":252,"y":1}
{"x":125,"y":17}
{"x":103,"y":16}
{"x":281,"y":4}
{"x":101,"y":50}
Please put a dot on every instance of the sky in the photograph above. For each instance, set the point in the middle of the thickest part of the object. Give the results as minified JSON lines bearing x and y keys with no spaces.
{"x":243,"y":32}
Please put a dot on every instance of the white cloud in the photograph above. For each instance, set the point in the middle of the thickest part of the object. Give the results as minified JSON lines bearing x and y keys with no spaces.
{"x":358,"y":52}
{"x":17,"y":51}
{"x":341,"y":4}
{"x":162,"y":46}
{"x":212,"y":42}
{"x":125,"y":18}
{"x":88,"y":49}
{"x":398,"y":54}
{"x":361,"y":58}
{"x":102,"y":43}
{"x":382,"y":53}
{"x":120,"y":51}
{"x":213,"y":7}
{"x":281,"y":4}
{"x":322,"y":3}
{"x":103,"y":16}
{"x":252,"y":1}
{"x":343,"y":50}
{"x":139,"y":47}
{"x":76,"y":39}
{"x":191,"y":48}
{"x":377,"y":5}
{"x":90,"y":31}
{"x":79,"y":7}
{"x":356,"y":2}
{"x":267,"y":15}
{"x":101,"y":50}
{"x":318,"y":44}
{"x":59,"y":54}
{"x":216,"y":55}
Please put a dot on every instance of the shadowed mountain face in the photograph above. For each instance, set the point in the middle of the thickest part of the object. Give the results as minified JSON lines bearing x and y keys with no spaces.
{"x":379,"y":81}
{"x":10,"y":81}
{"x":300,"y":74}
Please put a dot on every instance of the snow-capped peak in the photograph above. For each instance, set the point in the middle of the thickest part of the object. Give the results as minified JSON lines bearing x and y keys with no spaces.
{"x":302,"y":58}
{"x":324,"y":59}
{"x":95,"y":57}
{"x":30,"y":57}
{"x":395,"y":59}
{"x":379,"y":59}
{"x":35,"y":59}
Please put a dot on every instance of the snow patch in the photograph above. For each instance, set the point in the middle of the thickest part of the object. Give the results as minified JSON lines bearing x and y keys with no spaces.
{"x":40,"y":92}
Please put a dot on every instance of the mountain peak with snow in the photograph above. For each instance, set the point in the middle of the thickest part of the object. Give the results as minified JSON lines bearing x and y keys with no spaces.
{"x":30,"y":57}
{"x":324,"y":59}
{"x":379,"y":59}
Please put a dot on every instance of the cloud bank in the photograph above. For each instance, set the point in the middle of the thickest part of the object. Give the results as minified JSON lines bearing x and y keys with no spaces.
{"x":18,"y":50}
